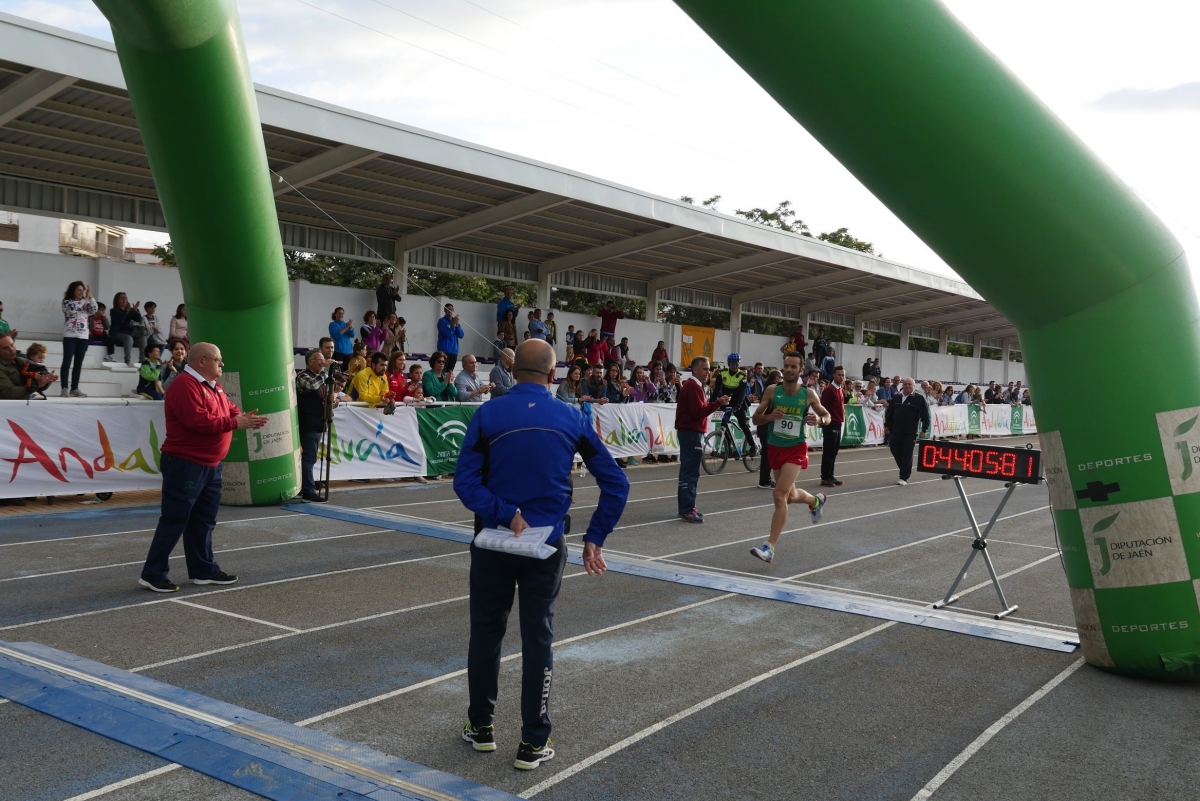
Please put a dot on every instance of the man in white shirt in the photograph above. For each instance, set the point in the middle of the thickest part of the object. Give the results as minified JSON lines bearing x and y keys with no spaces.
{"x":470,"y":388}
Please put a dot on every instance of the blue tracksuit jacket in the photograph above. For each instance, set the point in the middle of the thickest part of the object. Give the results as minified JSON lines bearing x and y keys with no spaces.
{"x":518,"y":453}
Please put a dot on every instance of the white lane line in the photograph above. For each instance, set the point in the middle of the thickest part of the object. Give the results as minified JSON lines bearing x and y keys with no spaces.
{"x":388,"y":695}
{"x":132,"y":780}
{"x":234,"y":589}
{"x":136,"y":531}
{"x":1008,"y":542}
{"x":824,"y":524}
{"x":181,"y":556}
{"x":456,"y":673}
{"x":979,"y":742}
{"x":705,"y":704}
{"x":182,"y":602}
{"x":901,"y":547}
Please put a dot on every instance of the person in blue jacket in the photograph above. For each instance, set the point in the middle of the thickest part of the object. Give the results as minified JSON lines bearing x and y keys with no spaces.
{"x":449,"y":332}
{"x":499,"y":479}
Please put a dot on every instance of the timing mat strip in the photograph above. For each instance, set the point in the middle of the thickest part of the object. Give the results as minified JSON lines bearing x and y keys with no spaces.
{"x":262,"y":755}
{"x":881,"y":608}
{"x":412,"y":525}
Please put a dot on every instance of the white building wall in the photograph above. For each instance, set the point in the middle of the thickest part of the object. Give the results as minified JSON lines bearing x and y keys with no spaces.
{"x":33,"y":285}
{"x":37,"y":234}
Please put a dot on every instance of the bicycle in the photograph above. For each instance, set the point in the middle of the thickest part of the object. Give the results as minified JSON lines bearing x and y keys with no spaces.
{"x":722,"y":445}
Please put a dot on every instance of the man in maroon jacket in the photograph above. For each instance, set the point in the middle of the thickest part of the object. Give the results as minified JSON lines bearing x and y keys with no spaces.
{"x":691,"y":421}
{"x":831,"y":435}
{"x":200,"y":424}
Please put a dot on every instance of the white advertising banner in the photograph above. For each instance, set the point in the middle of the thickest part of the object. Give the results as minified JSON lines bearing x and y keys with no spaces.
{"x":66,"y":449}
{"x":370,"y":444}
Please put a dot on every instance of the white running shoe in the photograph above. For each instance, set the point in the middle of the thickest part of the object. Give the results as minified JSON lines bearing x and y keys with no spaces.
{"x":901,"y":483}
{"x":764,"y":552}
{"x":819,"y":509}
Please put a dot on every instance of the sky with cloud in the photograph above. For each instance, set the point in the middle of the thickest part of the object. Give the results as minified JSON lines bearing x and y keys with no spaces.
{"x":633,"y":92}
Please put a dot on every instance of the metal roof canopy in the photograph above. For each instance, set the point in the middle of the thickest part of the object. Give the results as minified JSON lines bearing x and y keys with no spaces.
{"x":70,"y":147}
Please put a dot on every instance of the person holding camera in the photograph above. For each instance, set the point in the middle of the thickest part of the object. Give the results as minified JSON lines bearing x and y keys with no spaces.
{"x":313,"y":386}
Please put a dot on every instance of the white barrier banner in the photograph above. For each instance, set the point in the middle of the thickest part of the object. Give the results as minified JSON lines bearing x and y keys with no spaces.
{"x":660,"y":429}
{"x":950,"y":421}
{"x":66,"y":449}
{"x":370,"y":444}
{"x":622,"y":427}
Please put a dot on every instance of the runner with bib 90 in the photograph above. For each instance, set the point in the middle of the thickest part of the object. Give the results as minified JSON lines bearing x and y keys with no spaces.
{"x":787,"y":407}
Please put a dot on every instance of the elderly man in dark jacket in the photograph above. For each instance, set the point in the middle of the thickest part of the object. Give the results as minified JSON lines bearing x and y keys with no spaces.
{"x":902,"y":419}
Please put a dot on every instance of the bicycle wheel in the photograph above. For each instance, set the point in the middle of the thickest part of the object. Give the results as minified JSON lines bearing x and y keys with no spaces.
{"x":716,"y":453}
{"x":752,"y":460}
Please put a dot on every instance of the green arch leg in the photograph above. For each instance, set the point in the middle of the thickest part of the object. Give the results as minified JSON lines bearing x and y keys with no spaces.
{"x":975,"y":165}
{"x":186,"y":70}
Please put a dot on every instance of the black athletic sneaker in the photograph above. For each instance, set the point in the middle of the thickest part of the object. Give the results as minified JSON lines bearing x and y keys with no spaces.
{"x":313,"y":497}
{"x":529,"y":756}
{"x":482,"y":738}
{"x":217,"y":578}
{"x":159,"y":586}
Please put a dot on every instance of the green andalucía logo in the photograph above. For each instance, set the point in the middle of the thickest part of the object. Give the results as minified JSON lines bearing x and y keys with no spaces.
{"x":1102,"y":542}
{"x":1184,"y":448}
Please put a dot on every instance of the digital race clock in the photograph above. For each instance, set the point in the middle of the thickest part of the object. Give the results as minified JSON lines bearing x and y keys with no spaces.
{"x":972,"y":460}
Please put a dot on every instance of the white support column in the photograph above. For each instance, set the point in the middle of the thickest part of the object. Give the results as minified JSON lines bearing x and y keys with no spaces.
{"x":543,"y":293}
{"x":860,"y":332}
{"x":400,"y":276}
{"x":904,"y":333}
{"x":943,"y":341}
{"x":735,"y":326}
{"x":1004,"y":355}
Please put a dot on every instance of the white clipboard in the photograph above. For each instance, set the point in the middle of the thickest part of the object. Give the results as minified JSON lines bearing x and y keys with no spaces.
{"x":531,"y":543}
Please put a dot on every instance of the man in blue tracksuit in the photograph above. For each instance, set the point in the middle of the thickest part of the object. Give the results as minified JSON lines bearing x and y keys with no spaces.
{"x":449,"y":331}
{"x":514,"y":471}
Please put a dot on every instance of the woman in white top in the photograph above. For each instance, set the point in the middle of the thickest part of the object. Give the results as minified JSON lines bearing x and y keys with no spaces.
{"x":77,"y":307}
{"x":178,"y":331}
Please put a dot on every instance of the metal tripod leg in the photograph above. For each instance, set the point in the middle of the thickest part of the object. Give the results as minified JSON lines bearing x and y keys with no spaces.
{"x":979,"y":546}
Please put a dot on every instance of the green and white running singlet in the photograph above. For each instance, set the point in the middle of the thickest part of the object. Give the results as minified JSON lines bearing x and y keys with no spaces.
{"x":789,"y":431}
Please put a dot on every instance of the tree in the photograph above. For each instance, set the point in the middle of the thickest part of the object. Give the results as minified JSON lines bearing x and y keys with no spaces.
{"x":842,"y":237}
{"x":711,"y":203}
{"x":166,"y":254}
{"x":781,"y":218}
{"x":691,"y":315}
{"x":572,"y":300}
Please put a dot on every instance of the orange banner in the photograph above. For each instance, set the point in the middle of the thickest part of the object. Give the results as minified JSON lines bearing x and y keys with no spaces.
{"x":696,"y":341}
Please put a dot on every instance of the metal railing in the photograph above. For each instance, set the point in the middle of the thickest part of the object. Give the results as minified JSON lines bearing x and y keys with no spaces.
{"x":71,"y":245}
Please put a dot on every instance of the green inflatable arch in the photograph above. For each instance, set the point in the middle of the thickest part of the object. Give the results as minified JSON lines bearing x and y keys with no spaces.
{"x":186,"y":70}
{"x":932,"y":124}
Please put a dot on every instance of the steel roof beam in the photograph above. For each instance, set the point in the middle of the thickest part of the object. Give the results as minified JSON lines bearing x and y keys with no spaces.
{"x":331,"y":161}
{"x":470,"y":223}
{"x":624,"y":247}
{"x":865,"y":297}
{"x":28,"y":91}
{"x":695,"y":274}
{"x":953,"y":317}
{"x":812,"y":282}
{"x":978,"y":325}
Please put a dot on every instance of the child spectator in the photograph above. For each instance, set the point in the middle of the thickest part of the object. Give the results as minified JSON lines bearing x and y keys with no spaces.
{"x":33,"y":365}
{"x":149,"y":386}
{"x":98,"y":327}
{"x":551,"y":329}
{"x":154,"y":332}
{"x":358,"y":358}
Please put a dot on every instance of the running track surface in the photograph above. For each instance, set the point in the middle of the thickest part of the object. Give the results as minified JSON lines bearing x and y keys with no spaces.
{"x":661,"y":691}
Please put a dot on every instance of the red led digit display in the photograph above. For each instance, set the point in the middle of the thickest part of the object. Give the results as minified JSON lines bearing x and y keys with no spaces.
{"x":980,"y":461}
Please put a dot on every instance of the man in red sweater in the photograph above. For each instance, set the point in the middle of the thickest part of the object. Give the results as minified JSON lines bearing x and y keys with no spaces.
{"x":200,"y":424}
{"x":831,"y":440}
{"x":691,"y":421}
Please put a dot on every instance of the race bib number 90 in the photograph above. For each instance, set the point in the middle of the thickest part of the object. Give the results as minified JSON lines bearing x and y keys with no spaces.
{"x":791,"y":427}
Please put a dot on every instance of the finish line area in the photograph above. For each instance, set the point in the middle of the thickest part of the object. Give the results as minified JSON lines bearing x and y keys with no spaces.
{"x":691,"y":667}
